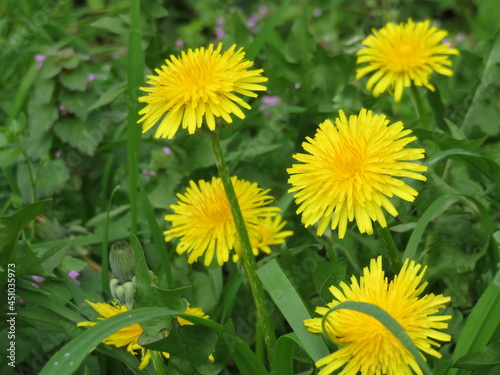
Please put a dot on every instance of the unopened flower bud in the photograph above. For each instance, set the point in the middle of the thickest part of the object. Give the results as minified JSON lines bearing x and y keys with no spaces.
{"x":122,"y":261}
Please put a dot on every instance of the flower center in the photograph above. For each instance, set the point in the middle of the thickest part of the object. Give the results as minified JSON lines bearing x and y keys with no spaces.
{"x":406,"y":57}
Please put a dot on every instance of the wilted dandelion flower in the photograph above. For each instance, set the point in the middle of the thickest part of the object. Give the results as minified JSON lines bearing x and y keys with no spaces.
{"x":398,"y":55}
{"x":351,"y":168}
{"x":197,"y":87}
{"x":366,"y":345}
{"x":203,"y":222}
{"x":128,"y":336}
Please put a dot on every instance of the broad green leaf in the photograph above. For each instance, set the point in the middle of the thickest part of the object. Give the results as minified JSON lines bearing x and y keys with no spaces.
{"x":76,"y":79}
{"x":113,"y":24}
{"x":292,"y":307}
{"x":11,"y":226}
{"x":486,"y":358}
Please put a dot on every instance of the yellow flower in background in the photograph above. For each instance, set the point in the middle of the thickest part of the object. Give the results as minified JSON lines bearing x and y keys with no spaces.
{"x":266,"y":233}
{"x":199,"y":86}
{"x":366,"y":345}
{"x":203,"y":222}
{"x":128,"y":336}
{"x":350,"y":169}
{"x":398,"y":55}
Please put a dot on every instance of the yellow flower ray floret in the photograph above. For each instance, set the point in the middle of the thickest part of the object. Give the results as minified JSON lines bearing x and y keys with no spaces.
{"x":199,"y":86}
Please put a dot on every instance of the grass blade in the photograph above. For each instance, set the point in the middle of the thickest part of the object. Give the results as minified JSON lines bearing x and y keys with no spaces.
{"x":437,"y":206}
{"x":481,"y":324}
{"x":292,"y":307}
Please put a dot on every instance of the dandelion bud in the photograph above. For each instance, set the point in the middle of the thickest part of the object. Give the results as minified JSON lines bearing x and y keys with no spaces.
{"x":122,"y":261}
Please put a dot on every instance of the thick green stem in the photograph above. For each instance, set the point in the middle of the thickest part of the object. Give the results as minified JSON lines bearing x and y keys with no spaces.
{"x":419,"y":105}
{"x":390,"y":247}
{"x":263,"y":319}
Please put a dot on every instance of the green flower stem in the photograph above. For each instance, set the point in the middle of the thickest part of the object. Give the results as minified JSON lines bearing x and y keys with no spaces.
{"x":390,"y":248}
{"x":263,"y":319}
{"x":157,"y":362}
{"x":419,"y":106}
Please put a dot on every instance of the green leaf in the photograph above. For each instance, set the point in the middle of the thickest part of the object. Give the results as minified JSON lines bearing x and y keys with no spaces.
{"x":41,"y":118}
{"x":253,"y":50}
{"x":292,"y":307}
{"x":108,"y":96}
{"x":11,"y":226}
{"x":328,"y":274}
{"x":51,"y":67}
{"x":78,"y":103}
{"x":43,"y":92}
{"x":53,"y":257}
{"x":486,"y":358}
{"x":192,"y":343}
{"x":51,"y":178}
{"x":283,"y":354}
{"x":9,"y":156}
{"x":481,"y":324}
{"x":85,"y":137}
{"x":113,"y":24}
{"x":437,"y":207}
{"x":75,"y":80}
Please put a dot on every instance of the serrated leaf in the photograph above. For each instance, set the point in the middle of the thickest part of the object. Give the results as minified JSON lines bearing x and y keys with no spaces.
{"x":51,"y":67}
{"x":41,"y":118}
{"x":44,"y":89}
{"x":77,"y":103}
{"x":85,"y":137}
{"x":75,"y":80}
{"x":52,"y":176}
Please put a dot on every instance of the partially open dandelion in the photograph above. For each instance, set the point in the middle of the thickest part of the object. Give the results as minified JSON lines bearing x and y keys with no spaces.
{"x":366,"y":345}
{"x":203,"y":222}
{"x":350,"y":170}
{"x":199,"y":86}
{"x":398,"y":55}
{"x":128,"y":336}
{"x":267,"y":232}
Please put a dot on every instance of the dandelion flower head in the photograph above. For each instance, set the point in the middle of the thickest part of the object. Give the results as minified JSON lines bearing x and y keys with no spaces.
{"x":197,"y":87}
{"x":203,"y":222}
{"x":398,"y":55}
{"x":351,"y":169}
{"x":128,"y":336}
{"x":366,"y":345}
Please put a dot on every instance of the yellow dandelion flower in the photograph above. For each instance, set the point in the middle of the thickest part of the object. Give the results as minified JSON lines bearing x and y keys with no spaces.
{"x":200,"y":85}
{"x":267,"y":232}
{"x":203,"y":221}
{"x":128,"y":336}
{"x":366,"y":345}
{"x":351,"y":169}
{"x":402,"y":54}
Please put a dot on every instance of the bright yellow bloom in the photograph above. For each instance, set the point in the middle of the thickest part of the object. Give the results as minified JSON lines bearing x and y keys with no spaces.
{"x":367,"y":346}
{"x":266,"y":233}
{"x":128,"y":336}
{"x":351,"y":169}
{"x":400,"y":54}
{"x":200,"y":85}
{"x":203,"y":222}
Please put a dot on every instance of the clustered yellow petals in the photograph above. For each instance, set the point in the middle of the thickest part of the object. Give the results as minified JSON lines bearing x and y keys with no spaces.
{"x":203,"y":222}
{"x":351,"y":169}
{"x":366,"y":345}
{"x":198,"y":87}
{"x":398,"y":55}
{"x":128,"y":336}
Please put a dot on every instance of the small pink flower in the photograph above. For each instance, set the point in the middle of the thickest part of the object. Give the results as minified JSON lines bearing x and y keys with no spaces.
{"x":74,"y":275}
{"x":58,"y":154}
{"x":269,"y":101}
{"x":38,"y":279}
{"x":35,"y":285}
{"x":297,"y":85}
{"x":39,"y":58}
{"x":219,"y":29}
{"x":179,"y":43}
{"x":148,"y":174}
{"x":167,"y":150}
{"x":63,"y":110}
{"x":317,"y":12}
